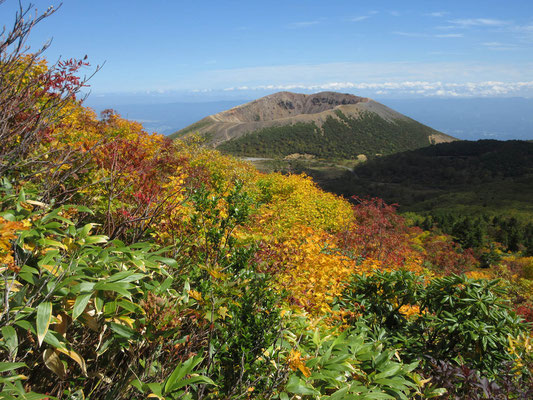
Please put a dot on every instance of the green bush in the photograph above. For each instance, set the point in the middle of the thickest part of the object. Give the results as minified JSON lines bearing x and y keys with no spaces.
{"x":75,"y":301}
{"x":458,"y":318}
{"x":350,"y":365}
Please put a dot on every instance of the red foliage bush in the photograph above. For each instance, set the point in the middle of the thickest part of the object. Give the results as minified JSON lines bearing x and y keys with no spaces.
{"x":379,"y":232}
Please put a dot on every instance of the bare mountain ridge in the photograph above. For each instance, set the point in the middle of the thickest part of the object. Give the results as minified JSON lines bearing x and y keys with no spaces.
{"x":286,"y":104}
{"x":287,"y":108}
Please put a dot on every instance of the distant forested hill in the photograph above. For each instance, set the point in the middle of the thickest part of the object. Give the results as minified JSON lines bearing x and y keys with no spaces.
{"x":486,"y":175}
{"x":478,"y":192}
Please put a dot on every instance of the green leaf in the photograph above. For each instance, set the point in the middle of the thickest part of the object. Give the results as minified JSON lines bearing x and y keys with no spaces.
{"x":377,"y":395}
{"x":165,"y":285}
{"x":86,"y":287}
{"x":180,"y":371}
{"x":49,"y":256}
{"x":21,"y":198}
{"x":38,"y":396}
{"x":192,"y":380}
{"x":137,"y":384}
{"x":340,"y":394}
{"x":50,"y":242}
{"x":26,"y":325}
{"x":99,"y":303}
{"x":125,"y":276}
{"x":12,"y":378}
{"x":168,"y":261}
{"x":395,"y":383}
{"x":84,"y":209}
{"x":430,"y":393}
{"x":28,"y":274}
{"x":297,"y":386}
{"x":96,"y":239}
{"x":155,"y":388}
{"x":129,"y":306}
{"x":54,"y":339}
{"x":44,"y":316}
{"x":83,"y":232}
{"x":10,"y":366}
{"x":119,"y":287}
{"x":122,"y":330}
{"x":391,"y":370}
{"x":110,"y":308}
{"x":381,"y":359}
{"x":80,"y":304}
{"x":11,"y":339}
{"x":53,"y":225}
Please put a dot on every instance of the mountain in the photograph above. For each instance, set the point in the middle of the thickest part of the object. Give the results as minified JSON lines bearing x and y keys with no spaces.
{"x":326,"y":124}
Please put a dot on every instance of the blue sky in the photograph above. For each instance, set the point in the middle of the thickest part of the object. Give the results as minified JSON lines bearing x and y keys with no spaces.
{"x":235,"y":48}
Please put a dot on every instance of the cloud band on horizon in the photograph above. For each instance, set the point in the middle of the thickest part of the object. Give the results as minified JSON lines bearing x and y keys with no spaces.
{"x":422,"y":88}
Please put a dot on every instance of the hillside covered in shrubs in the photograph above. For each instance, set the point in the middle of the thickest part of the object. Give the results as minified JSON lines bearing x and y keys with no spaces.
{"x":339,"y":137}
{"x":135,"y":267}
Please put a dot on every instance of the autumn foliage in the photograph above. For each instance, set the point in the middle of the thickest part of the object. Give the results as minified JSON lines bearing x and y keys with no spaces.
{"x":133,"y":266}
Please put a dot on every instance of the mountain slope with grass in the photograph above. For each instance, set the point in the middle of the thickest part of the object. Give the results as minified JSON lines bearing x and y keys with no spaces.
{"x":326,"y":124}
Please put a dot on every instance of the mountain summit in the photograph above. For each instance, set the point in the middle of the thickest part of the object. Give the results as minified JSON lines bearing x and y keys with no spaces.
{"x":325,"y":124}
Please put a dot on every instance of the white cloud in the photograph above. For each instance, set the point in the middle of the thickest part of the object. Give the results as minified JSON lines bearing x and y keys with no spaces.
{"x":410,"y":34}
{"x":450,"y":35}
{"x":446,"y":27}
{"x":420,"y":34}
{"x":500,"y":46}
{"x":469,"y":22}
{"x":523,"y":32}
{"x":368,"y":77}
{"x":359,"y":18}
{"x":437,"y":14}
{"x":303,"y":24}
{"x":424,"y":88}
